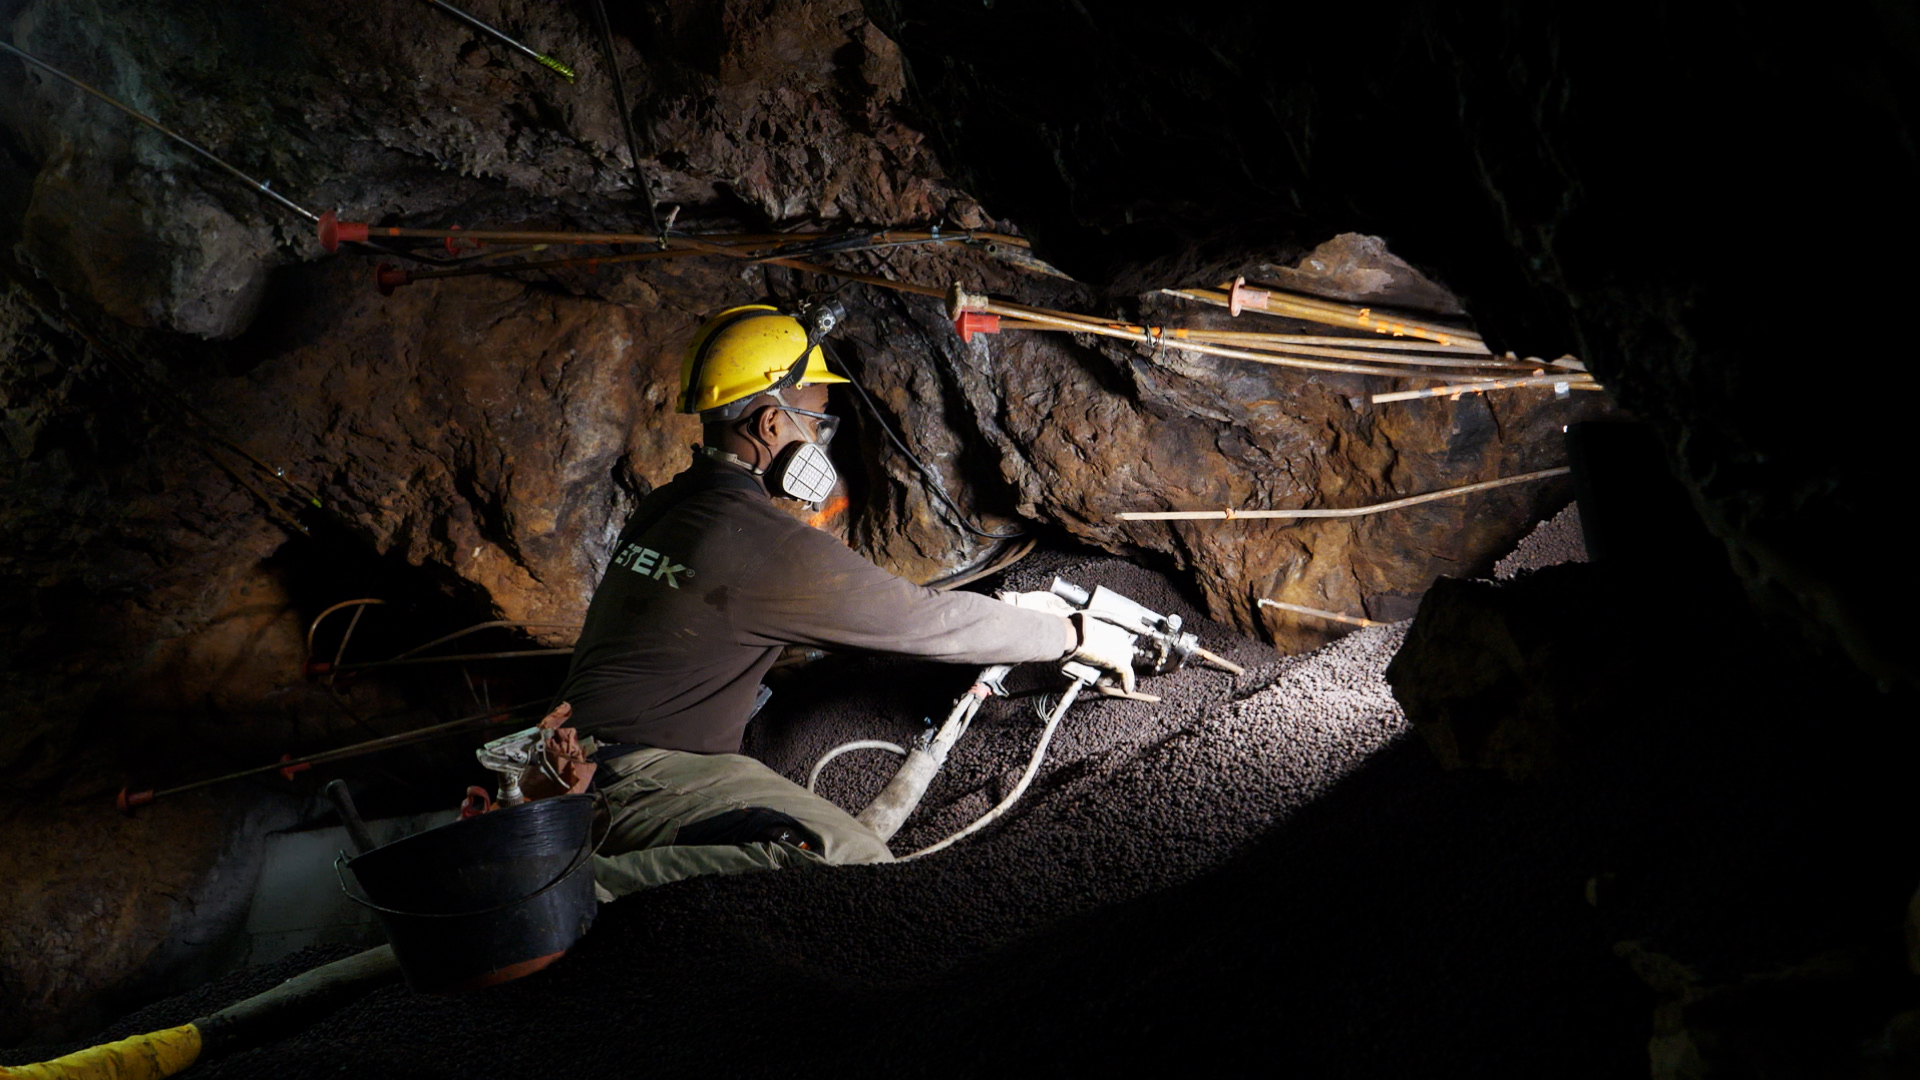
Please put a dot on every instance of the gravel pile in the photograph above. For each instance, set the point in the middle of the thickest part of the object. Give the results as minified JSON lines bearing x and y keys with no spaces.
{"x":1554,"y":541}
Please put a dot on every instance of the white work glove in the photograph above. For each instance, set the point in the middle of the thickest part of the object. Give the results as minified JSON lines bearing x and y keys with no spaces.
{"x":1038,"y":601}
{"x":1105,"y":646}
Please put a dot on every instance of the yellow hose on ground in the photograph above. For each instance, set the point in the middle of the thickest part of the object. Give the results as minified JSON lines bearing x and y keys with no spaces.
{"x":291,"y":1005}
{"x":153,"y":1056}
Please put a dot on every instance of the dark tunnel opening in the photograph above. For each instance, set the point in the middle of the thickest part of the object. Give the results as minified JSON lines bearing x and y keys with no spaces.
{"x":332,"y":567}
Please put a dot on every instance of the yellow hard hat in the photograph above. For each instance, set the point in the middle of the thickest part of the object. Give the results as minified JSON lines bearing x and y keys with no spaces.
{"x":748,"y":350}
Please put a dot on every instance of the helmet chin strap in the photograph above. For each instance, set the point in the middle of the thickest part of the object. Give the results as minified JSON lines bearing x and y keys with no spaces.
{"x":731,"y":458}
{"x":773,"y":452}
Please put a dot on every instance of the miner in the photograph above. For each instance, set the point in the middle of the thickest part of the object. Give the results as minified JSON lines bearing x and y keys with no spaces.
{"x":711,"y":579}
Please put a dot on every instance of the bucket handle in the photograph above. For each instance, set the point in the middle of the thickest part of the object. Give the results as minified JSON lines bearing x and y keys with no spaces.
{"x":587,"y":851}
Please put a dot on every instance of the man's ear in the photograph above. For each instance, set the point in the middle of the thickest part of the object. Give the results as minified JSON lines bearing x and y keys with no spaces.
{"x":766,"y":424}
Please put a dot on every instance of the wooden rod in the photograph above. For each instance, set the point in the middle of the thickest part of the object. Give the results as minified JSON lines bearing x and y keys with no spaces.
{"x":1351,"y":620}
{"x":885,"y":283}
{"x":552,"y":264}
{"x":1323,"y":311}
{"x":1469,"y":348}
{"x":1384,"y":324}
{"x":1357,"y":511}
{"x":1089,"y":326}
{"x":1476,"y":350}
{"x":1572,"y":382}
{"x":525,"y":236}
{"x":1174,"y":337}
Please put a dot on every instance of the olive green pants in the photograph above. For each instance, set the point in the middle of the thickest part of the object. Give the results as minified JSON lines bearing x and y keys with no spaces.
{"x":652,"y":794}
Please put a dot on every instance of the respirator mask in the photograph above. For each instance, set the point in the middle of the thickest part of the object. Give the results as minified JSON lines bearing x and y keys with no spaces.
{"x":803,"y":470}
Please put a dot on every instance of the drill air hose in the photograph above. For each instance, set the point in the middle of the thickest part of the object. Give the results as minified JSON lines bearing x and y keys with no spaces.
{"x":156,"y":1055}
{"x":152,"y":1056}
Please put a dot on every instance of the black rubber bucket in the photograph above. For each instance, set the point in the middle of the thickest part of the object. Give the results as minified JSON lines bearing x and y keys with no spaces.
{"x":484,"y":899}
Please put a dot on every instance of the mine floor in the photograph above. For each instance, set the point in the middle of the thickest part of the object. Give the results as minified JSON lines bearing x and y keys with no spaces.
{"x":1267,"y":871}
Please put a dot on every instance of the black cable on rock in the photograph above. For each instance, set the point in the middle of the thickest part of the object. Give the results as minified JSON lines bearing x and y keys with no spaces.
{"x":934,"y":483}
{"x":626,"y":117}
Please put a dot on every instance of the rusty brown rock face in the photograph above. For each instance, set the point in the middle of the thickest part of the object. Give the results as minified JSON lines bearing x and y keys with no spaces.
{"x":1082,"y":429}
{"x":493,"y":431}
{"x":482,"y":426}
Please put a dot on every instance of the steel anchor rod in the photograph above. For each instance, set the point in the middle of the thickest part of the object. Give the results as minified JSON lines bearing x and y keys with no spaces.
{"x":258,"y":185}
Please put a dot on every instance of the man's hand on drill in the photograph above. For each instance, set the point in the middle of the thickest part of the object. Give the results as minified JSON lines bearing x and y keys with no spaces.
{"x":1105,"y":646}
{"x":1101,"y":643}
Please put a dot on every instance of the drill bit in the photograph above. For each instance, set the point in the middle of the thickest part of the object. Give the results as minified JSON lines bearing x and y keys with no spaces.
{"x":1215,"y":660}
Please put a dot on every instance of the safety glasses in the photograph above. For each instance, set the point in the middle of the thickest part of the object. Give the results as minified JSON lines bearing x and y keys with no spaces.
{"x":824,"y":424}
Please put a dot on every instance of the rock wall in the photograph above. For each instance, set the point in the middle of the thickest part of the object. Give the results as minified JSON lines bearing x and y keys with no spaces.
{"x":1764,"y":917}
{"x":1706,"y":203}
{"x":492,"y":431}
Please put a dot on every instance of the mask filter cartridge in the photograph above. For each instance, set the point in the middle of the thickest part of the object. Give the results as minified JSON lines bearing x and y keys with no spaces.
{"x":804,"y":472}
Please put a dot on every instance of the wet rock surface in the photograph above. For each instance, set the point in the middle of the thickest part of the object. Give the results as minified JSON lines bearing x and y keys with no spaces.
{"x":492,"y":431}
{"x":1081,"y":429}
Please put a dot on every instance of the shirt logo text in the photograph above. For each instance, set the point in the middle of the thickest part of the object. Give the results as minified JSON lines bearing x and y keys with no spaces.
{"x":645,"y":560}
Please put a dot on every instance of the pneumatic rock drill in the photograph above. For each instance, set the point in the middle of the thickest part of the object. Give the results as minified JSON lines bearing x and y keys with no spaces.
{"x":1160,"y":646}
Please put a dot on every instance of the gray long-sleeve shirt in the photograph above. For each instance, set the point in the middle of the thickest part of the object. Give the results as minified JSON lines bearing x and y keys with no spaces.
{"x":709,"y":580}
